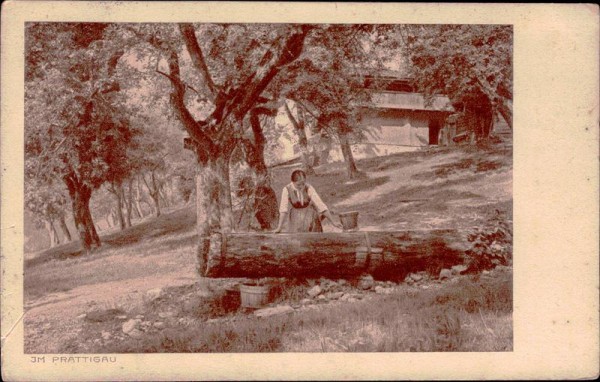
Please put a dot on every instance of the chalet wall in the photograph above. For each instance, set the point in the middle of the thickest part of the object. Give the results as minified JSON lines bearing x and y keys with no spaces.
{"x":387,"y":131}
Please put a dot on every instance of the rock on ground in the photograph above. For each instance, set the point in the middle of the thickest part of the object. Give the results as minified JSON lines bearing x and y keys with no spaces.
{"x":266,"y":312}
{"x":131,"y":325}
{"x":314,"y":291}
{"x":458,"y":269}
{"x":366,"y":282}
{"x":153,"y":294}
{"x":445,"y":273}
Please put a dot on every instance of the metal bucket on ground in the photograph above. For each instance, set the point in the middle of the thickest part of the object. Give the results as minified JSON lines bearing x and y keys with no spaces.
{"x":254,"y":296}
{"x":349,"y":220}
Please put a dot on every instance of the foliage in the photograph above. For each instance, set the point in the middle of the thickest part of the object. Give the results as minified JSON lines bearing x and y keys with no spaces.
{"x":47,"y":201}
{"x":74,"y":120}
{"x":491,"y":244}
{"x":472,"y":64}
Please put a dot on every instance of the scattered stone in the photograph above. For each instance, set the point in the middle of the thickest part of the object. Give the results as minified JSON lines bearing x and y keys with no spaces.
{"x":366,"y":282}
{"x":166,"y":314}
{"x":122,"y":317}
{"x":131,"y":325}
{"x":106,"y":335}
{"x":445,"y":273}
{"x":153,"y":294}
{"x":82,"y":316}
{"x":305,"y":301}
{"x":146,"y":324}
{"x":159,"y":325}
{"x":458,"y":269}
{"x":352,"y":299}
{"x":212,"y":320}
{"x":425,"y":286}
{"x":139,"y":316}
{"x":281,"y":309}
{"x":496,"y":247}
{"x":97,"y":341}
{"x":135,"y":333}
{"x":416,"y":277}
{"x":342,"y":282}
{"x":103,"y":315}
{"x":486,"y":272}
{"x":334,"y":295}
{"x":314,"y":291}
{"x":382,"y":290}
{"x":321,"y":297}
{"x":409,"y":280}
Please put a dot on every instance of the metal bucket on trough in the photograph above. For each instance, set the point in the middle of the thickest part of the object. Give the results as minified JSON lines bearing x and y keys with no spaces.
{"x":349,"y":220}
{"x":253,"y":295}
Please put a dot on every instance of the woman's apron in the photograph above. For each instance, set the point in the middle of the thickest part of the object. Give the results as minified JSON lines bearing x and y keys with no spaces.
{"x":303,"y":216}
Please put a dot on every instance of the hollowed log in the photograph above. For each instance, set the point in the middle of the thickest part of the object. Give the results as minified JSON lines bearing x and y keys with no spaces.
{"x":330,"y":254}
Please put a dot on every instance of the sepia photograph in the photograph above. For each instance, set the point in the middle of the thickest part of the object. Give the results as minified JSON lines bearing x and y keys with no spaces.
{"x":231,"y":187}
{"x":267,"y":188}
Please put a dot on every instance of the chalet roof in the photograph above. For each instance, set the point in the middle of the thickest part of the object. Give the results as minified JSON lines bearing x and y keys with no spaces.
{"x":410,"y":101}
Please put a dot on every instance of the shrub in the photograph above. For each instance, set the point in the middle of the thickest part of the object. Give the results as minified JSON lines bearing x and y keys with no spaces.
{"x":491,"y":244}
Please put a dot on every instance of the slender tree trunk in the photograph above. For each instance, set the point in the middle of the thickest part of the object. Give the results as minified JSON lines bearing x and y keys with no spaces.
{"x":64,"y":228}
{"x":118,"y":192}
{"x":54,"y":240}
{"x":299,"y":127}
{"x":154,"y":193}
{"x":163,"y":196}
{"x":110,"y":219}
{"x":351,"y":170}
{"x":506,"y":112}
{"x":138,"y":198}
{"x":80,"y":198}
{"x":128,"y":202}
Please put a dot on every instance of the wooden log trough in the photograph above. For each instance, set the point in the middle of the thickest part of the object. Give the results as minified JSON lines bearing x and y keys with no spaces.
{"x":387,"y":255}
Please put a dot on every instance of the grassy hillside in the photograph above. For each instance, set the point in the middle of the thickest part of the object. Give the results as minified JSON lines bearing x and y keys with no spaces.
{"x":440,"y":188}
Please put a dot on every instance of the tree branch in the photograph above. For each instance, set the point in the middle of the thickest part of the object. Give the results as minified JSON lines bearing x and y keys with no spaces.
{"x":191,"y":42}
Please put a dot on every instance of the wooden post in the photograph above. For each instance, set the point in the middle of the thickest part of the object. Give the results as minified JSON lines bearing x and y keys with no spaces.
{"x":330,"y":254}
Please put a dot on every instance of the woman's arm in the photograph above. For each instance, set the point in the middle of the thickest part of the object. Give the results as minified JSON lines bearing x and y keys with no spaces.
{"x":321,"y":207}
{"x":328,"y":215}
{"x":283,"y":209}
{"x":282,"y":218}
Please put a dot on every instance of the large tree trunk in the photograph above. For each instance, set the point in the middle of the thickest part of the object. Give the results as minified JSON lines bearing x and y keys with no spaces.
{"x":351,"y":170}
{"x":332,"y":254}
{"x":54,"y":240}
{"x":265,"y":199}
{"x":80,"y":197}
{"x":64,"y":229}
{"x":210,"y":136}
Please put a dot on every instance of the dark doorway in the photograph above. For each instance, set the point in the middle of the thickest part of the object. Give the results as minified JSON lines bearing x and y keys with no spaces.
{"x":434,"y":131}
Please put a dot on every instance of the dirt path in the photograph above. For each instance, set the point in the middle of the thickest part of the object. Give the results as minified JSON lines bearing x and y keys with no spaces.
{"x":53,"y":319}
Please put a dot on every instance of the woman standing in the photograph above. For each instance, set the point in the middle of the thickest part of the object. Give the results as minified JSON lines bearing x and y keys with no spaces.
{"x":302,"y":207}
